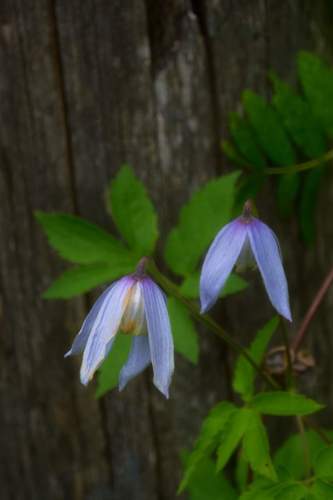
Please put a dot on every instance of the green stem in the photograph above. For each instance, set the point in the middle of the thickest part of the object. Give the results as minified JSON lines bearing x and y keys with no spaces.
{"x":173,"y":290}
{"x":300,"y":166}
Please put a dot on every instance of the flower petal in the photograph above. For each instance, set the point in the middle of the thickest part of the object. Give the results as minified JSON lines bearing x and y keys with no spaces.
{"x":138,"y":360}
{"x":159,"y":335}
{"x":104,"y":328}
{"x":220,"y":260}
{"x":266,"y":251}
{"x":81,"y":338}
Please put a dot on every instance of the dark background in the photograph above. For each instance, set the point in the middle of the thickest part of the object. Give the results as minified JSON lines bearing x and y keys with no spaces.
{"x":85,"y":86}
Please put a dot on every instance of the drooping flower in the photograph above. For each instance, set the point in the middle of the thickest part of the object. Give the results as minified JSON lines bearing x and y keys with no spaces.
{"x":136,"y":306}
{"x":244,"y":242}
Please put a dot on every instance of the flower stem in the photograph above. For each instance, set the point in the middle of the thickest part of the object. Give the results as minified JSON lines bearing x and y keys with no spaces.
{"x":299,"y":167}
{"x":207,"y":320}
{"x":298,"y":339}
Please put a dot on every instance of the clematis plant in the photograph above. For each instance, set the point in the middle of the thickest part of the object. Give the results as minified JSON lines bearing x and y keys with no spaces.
{"x":133,"y":305}
{"x":244,"y":242}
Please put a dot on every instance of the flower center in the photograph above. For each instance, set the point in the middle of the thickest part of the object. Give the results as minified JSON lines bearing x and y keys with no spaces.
{"x":133,"y":321}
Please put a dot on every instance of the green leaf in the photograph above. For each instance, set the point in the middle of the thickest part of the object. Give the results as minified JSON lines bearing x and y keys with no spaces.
{"x":184,"y":333}
{"x":206,"y":484}
{"x":79,"y":241}
{"x":258,"y":491}
{"x":256,"y":447}
{"x":284,"y":404}
{"x":232,"y":433}
{"x":317,"y":81}
{"x":80,"y":279}
{"x":262,"y":489}
{"x":291,"y":454}
{"x":289,"y":490}
{"x":298,"y":119}
{"x":323,"y":465}
{"x":132,"y":211}
{"x":249,"y":187}
{"x":190,"y":286}
{"x":322,"y":490}
{"x":208,"y":211}
{"x":211,"y":428}
{"x":245,"y":141}
{"x":108,"y":373}
{"x":244,"y":377}
{"x":308,"y":202}
{"x":270,"y":132}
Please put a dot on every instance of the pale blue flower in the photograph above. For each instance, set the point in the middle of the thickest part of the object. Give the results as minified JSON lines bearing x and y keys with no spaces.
{"x":245,"y":241}
{"x":133,"y":305}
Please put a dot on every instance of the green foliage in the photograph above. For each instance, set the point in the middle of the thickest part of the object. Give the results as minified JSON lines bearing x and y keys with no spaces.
{"x":80,"y":279}
{"x":290,"y":455}
{"x":243,"y":136}
{"x":190,"y":286}
{"x":205,"y":484}
{"x":244,"y":377}
{"x":184,"y":333}
{"x":232,"y":434}
{"x":317,"y":82}
{"x":256,"y":447}
{"x":108,"y":373}
{"x":284,"y":404}
{"x":262,"y":489}
{"x":78,"y":240}
{"x":208,"y":210}
{"x":321,"y":490}
{"x":207,"y":441}
{"x":268,"y":133}
{"x":132,"y":211}
{"x":323,"y":465}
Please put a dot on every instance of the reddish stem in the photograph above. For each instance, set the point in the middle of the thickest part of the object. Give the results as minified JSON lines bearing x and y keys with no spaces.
{"x":298,"y":339}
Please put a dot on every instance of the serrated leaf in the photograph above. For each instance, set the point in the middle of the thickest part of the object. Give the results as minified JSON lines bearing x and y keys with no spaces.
{"x":80,"y":279}
{"x":78,"y":240}
{"x":211,"y":428}
{"x":190,"y":286}
{"x":284,"y":404}
{"x":291,"y":454}
{"x":322,"y":490}
{"x":108,"y":373}
{"x":323,"y":464}
{"x":206,"y":484}
{"x":317,"y":82}
{"x":243,"y":381}
{"x":231,"y":436}
{"x":256,"y":447}
{"x":269,"y":130}
{"x":132,"y":211}
{"x":183,"y":330}
{"x":209,"y":210}
{"x":308,"y":202}
{"x":245,"y":141}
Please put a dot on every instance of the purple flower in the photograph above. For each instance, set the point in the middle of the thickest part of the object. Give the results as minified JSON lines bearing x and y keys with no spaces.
{"x":136,"y":306}
{"x":245,"y":241}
